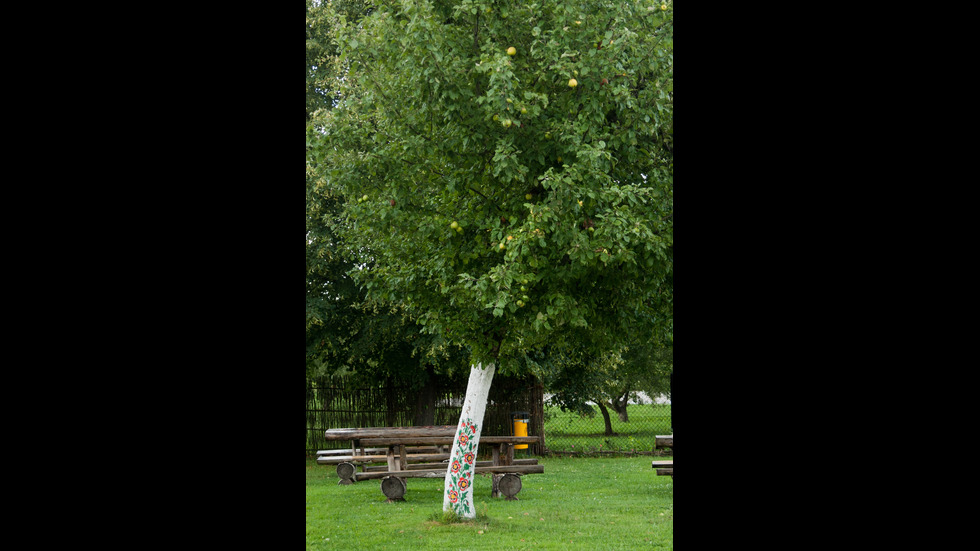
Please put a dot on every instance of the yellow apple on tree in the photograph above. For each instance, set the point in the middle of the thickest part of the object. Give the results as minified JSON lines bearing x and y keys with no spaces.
{"x":512,"y":51}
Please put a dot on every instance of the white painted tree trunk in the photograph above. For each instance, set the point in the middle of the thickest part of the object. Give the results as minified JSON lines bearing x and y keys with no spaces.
{"x":458,"y":494}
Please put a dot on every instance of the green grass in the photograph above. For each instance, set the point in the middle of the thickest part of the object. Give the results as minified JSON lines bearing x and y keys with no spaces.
{"x":577,"y":503}
{"x":566,"y":431}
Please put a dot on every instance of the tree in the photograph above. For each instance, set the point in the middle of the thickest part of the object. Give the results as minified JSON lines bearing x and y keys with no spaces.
{"x":506,"y":199}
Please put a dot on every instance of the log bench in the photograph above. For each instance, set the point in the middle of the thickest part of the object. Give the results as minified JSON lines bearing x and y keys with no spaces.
{"x":665,"y":467}
{"x":401,"y":465}
{"x":371,"y":455}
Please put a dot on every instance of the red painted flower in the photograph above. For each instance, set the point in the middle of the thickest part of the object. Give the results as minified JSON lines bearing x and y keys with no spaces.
{"x":469,"y":458}
{"x":463,"y":484}
{"x":463,"y":439}
{"x":456,"y":466}
{"x":453,"y":496}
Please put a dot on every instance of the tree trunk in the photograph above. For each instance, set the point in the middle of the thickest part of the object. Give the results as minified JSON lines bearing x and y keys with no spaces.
{"x":619,"y":405}
{"x":425,"y":402}
{"x":605,"y":417}
{"x":458,"y":493}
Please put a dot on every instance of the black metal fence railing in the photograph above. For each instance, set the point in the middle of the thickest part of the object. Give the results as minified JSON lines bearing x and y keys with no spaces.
{"x":345,"y":403}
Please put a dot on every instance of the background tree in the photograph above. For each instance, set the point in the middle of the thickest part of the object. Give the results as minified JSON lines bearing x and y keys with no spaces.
{"x":343,"y":335}
{"x":508,"y":174}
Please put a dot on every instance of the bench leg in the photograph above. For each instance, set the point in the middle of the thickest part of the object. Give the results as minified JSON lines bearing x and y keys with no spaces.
{"x":346,"y":473}
{"x":394,"y":488}
{"x":510,"y":485}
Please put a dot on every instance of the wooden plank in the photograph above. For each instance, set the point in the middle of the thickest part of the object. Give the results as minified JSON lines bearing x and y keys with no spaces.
{"x":441,"y":473}
{"x":665,"y":440}
{"x":444,"y":466}
{"x":375,"y":451}
{"x":667,"y":472}
{"x":442,"y":440}
{"x":388,"y":432}
{"x":656,"y":464}
{"x":345,"y":451}
{"x":333,"y":460}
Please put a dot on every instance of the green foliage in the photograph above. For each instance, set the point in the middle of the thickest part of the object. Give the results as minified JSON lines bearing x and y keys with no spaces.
{"x":416,"y":142}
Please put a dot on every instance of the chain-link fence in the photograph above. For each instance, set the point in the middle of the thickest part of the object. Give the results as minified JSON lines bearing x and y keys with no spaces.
{"x":606,"y":430}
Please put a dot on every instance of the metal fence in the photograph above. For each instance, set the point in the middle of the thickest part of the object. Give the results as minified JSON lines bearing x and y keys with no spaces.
{"x":346,"y":403}
{"x":608,"y":432}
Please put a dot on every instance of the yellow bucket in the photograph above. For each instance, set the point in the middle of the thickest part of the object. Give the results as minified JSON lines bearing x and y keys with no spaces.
{"x":520,"y":427}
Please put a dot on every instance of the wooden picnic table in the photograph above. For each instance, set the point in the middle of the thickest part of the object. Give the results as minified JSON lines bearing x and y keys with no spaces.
{"x":401,"y":464}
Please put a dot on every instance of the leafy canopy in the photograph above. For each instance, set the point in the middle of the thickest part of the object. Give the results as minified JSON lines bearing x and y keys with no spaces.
{"x":503,"y":207}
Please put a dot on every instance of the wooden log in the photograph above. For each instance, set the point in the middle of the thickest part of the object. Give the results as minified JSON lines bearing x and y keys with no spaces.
{"x":446,"y":440}
{"x":510,"y":485}
{"x":668,"y":472}
{"x":375,"y":451}
{"x":662,"y":464}
{"x":346,"y":473}
{"x":441,"y":472}
{"x":434,"y":466}
{"x":333,"y":460}
{"x":385,"y":432}
{"x":346,"y":452}
{"x":665,"y":441}
{"x":394,"y":488}
{"x":414,"y":457}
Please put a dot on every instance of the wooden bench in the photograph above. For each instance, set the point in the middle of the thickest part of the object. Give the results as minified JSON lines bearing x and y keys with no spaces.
{"x":401,"y":464}
{"x":665,"y":467}
{"x":369,"y":455}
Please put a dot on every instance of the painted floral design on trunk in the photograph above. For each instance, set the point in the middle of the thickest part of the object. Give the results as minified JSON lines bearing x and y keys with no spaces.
{"x":463,"y":467}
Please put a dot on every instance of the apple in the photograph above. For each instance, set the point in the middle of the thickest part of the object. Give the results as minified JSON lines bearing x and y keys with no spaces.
{"x":547,"y":135}
{"x":509,"y":237}
{"x":524,"y":110}
{"x":364,"y":198}
{"x":525,"y":297}
{"x":507,"y":123}
{"x":663,"y":7}
{"x":523,"y":288}
{"x":520,"y":304}
{"x":572,"y":83}
{"x":496,"y":118}
{"x":512,"y":51}
{"x":454,"y":225}
{"x":528,"y":196}
{"x":604,"y":82}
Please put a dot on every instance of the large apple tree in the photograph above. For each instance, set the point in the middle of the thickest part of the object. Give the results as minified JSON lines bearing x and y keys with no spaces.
{"x":506,"y":172}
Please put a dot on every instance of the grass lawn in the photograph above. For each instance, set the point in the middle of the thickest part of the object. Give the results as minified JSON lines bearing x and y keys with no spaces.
{"x":578,"y":503}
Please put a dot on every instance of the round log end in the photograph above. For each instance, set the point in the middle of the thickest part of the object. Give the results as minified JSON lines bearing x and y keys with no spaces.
{"x":345,"y":471}
{"x":393,"y":487}
{"x":509,"y":485}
